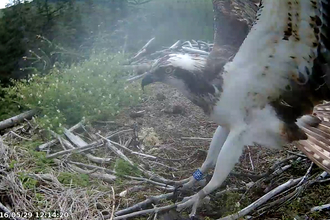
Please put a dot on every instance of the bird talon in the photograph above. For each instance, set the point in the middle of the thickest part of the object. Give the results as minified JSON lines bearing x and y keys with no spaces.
{"x":193,"y":201}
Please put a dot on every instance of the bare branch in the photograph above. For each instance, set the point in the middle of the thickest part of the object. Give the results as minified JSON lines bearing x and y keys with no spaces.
{"x":16,"y":119}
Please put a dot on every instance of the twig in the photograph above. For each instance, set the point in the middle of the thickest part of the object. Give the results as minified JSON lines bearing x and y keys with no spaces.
{"x":131,"y":151}
{"x":142,"y":51}
{"x":320,"y":208}
{"x":118,"y":152}
{"x":113,"y":203}
{"x":103,"y":176}
{"x":143,"y":212}
{"x":85,"y":148}
{"x":175,"y":45}
{"x":105,"y":122}
{"x":251,"y":161}
{"x":192,"y":50}
{"x":145,"y":203}
{"x":297,"y":154}
{"x":55,"y":141}
{"x":306,"y":175}
{"x":17,"y":135}
{"x":81,"y":143}
{"x":118,"y":132}
{"x":196,"y":138}
{"x":115,"y":173}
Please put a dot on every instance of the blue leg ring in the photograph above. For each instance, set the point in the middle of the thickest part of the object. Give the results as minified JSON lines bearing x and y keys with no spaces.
{"x":198,"y":175}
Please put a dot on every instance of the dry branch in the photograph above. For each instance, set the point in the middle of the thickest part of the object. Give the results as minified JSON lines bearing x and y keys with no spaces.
{"x":144,"y":204}
{"x":90,"y":146}
{"x":81,"y":143}
{"x":320,"y":208}
{"x":94,"y":167}
{"x":55,"y":141}
{"x":263,"y":199}
{"x":102,"y":176}
{"x":10,"y":122}
{"x":196,"y":138}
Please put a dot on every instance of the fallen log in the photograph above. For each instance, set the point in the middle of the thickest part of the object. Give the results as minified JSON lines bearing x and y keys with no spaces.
{"x":10,"y":122}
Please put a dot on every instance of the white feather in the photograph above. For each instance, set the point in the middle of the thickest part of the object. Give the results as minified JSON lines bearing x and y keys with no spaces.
{"x":263,"y":67}
{"x":187,"y":61}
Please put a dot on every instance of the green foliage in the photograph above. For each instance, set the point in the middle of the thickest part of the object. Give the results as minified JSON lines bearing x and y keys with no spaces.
{"x":38,"y":163}
{"x":27,"y":181}
{"x":12,"y":164}
{"x":74,"y":179}
{"x":8,"y":107}
{"x":231,"y":202}
{"x":41,"y":162}
{"x":124,"y":168}
{"x":94,"y":89}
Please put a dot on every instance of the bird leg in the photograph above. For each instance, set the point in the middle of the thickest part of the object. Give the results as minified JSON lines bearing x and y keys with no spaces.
{"x":226,"y":160}
{"x":218,"y":139}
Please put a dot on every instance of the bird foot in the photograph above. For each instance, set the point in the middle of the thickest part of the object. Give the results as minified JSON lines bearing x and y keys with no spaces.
{"x":187,"y":202}
{"x":192,"y":181}
{"x":187,"y":187}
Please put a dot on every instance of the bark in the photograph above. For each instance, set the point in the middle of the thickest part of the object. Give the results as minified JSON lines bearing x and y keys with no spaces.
{"x":10,"y":122}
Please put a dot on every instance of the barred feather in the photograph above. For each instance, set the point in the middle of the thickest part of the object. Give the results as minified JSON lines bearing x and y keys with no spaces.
{"x":317,"y":128}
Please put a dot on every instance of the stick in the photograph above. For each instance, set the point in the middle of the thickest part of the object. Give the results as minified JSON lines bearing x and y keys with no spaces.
{"x":131,"y":151}
{"x":113,"y":203}
{"x":262,"y":200}
{"x":10,"y":122}
{"x":196,"y":138}
{"x":143,"y":212}
{"x":17,"y":135}
{"x":55,"y":141}
{"x":115,"y":173}
{"x":143,"y":204}
{"x":103,"y":176}
{"x":81,"y":143}
{"x":85,"y":148}
{"x":320,"y":208}
{"x":192,"y":50}
{"x":119,"y":153}
{"x":175,"y":45}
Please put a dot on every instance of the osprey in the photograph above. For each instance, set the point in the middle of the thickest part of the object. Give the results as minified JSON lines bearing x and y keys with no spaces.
{"x":271,"y":91}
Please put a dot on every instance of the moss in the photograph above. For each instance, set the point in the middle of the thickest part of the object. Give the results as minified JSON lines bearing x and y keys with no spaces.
{"x":314,"y":196}
{"x":230,"y":203}
{"x":124,"y":168}
{"x":74,"y":179}
{"x":12,"y":164}
{"x":27,"y":182}
{"x":42,"y":164}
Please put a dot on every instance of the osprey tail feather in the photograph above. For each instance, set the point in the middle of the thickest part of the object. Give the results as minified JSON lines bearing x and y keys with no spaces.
{"x":317,"y":128}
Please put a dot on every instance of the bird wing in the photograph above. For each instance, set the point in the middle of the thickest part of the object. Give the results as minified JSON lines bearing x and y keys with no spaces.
{"x":317,"y":128}
{"x":284,"y":61}
{"x":232,"y":22}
